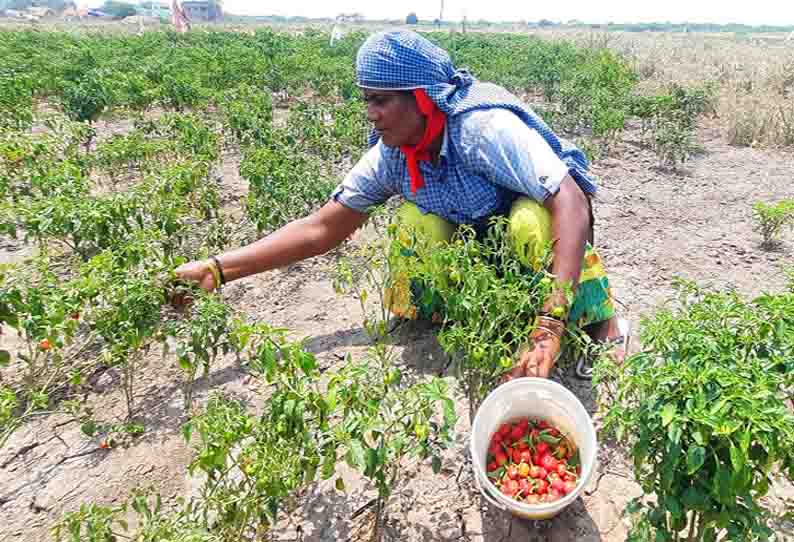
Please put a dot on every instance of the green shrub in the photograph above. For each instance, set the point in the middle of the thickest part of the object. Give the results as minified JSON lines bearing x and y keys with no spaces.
{"x":180,"y":92}
{"x":197,"y":341}
{"x":331,"y":131}
{"x":16,"y":101}
{"x":597,"y":94}
{"x":85,"y":99}
{"x":285,"y":184}
{"x":192,"y":135}
{"x":672,"y":138}
{"x":484,"y":297}
{"x":130,"y":151}
{"x":771,"y":218}
{"x":702,"y":411}
{"x":249,"y":112}
{"x":669,"y":120}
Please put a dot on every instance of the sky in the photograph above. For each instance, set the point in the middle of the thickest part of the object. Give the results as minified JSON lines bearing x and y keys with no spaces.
{"x":777,"y":12}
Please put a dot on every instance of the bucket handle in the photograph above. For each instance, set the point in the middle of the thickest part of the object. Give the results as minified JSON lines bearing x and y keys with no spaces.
{"x":486,"y":491}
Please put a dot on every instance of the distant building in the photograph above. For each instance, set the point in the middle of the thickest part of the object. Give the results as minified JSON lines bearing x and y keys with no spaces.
{"x":349,"y":18}
{"x":203,"y":10}
{"x":35,"y":13}
{"x":154,"y":8}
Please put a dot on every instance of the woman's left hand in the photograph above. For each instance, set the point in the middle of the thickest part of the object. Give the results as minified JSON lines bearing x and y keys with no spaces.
{"x":538,"y":358}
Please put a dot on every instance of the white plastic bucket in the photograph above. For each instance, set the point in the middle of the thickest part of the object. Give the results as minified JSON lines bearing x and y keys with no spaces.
{"x":536,"y":398}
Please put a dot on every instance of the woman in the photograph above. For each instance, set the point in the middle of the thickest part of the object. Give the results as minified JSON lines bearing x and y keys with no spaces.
{"x":461,"y":151}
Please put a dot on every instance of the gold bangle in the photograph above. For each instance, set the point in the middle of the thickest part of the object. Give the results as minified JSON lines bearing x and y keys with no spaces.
{"x":216,"y":275}
{"x":550,"y":325}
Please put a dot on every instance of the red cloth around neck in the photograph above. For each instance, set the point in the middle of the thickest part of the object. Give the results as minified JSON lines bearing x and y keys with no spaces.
{"x":436,"y":120}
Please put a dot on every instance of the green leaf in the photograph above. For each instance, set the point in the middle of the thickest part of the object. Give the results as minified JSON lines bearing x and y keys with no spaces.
{"x":742,"y":480}
{"x":309,"y":472}
{"x":289,"y":408}
{"x":355,"y":457}
{"x":398,"y":443}
{"x":575,"y":460}
{"x":674,"y":432}
{"x":139,"y":506}
{"x":436,"y":464}
{"x":5,"y":358}
{"x":498,"y":473}
{"x":738,"y":459}
{"x":699,"y":438}
{"x":340,"y":484}
{"x":331,"y":398}
{"x":719,"y":405}
{"x":372,"y":462}
{"x":547,"y":438}
{"x":744,"y":441}
{"x":89,"y":428}
{"x":722,"y":486}
{"x":449,"y":412}
{"x":329,"y":466}
{"x":134,"y":429}
{"x":668,"y":413}
{"x":673,"y":506}
{"x":695,"y":458}
{"x":633,"y":506}
{"x":762,"y":486}
{"x":640,"y":453}
{"x":184,"y":363}
{"x":694,"y":499}
{"x":187,"y":431}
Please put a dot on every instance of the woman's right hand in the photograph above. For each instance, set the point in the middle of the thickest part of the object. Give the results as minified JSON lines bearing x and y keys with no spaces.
{"x":199,"y":272}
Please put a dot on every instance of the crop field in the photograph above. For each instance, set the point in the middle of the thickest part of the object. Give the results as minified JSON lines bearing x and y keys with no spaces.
{"x":289,"y":405}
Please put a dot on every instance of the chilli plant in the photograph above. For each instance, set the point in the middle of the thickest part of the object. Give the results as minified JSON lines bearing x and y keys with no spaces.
{"x":771,"y":218}
{"x":198,"y":339}
{"x":483,"y":295}
{"x":704,"y":412}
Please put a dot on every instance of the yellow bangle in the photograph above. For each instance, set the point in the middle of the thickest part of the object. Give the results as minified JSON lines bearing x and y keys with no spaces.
{"x":216,"y":275}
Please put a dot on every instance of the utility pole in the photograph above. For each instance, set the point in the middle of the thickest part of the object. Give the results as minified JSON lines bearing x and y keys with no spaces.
{"x":441,"y":13}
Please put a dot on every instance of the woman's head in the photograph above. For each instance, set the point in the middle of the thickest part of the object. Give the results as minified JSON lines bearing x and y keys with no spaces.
{"x":402,"y":60}
{"x":391,"y":67}
{"x":395,"y":115}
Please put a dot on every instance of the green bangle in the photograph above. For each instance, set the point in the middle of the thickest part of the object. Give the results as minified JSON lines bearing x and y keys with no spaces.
{"x":219,"y":268}
{"x":216,"y":277}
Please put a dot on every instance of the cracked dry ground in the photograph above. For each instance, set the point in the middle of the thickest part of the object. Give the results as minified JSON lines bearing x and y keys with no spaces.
{"x":651,"y":225}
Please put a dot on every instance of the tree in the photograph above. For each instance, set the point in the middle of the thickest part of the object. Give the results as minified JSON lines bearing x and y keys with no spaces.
{"x":117,"y":9}
{"x":412,"y":19}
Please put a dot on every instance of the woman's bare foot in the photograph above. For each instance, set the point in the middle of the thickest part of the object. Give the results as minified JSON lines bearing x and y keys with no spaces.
{"x":614,"y":332}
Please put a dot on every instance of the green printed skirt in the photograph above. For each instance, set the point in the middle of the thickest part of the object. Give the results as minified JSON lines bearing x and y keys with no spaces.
{"x":530,"y":229}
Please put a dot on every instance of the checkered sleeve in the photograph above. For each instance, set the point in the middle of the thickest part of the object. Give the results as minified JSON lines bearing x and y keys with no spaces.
{"x":368,"y":184}
{"x":512,"y":155}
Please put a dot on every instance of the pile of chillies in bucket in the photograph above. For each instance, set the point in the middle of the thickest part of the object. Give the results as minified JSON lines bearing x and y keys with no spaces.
{"x":533,"y":462}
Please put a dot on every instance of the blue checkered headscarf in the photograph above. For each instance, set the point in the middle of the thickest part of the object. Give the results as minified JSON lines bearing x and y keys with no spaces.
{"x":404,"y":60}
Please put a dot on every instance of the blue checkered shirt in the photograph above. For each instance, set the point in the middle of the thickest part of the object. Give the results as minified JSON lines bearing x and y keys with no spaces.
{"x":487,"y":159}
{"x":490,"y":154}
